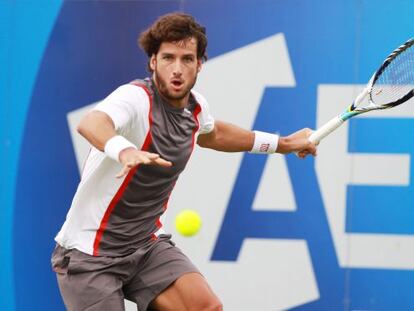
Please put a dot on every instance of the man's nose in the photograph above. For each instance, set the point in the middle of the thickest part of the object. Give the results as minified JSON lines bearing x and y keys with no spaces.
{"x":178,"y":67}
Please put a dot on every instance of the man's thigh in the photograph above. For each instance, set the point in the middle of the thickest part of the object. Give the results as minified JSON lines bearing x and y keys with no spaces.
{"x":164,"y":264}
{"x":189,"y":292}
{"x":85,"y":284}
{"x":91,"y":291}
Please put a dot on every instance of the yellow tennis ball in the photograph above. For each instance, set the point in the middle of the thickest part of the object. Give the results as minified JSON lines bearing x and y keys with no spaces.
{"x":188,"y":222}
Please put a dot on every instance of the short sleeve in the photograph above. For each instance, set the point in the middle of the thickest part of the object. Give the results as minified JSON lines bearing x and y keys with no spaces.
{"x":204,"y":117}
{"x":125,"y":105}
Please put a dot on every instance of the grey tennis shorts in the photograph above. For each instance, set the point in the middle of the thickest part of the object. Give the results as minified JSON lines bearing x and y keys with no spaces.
{"x":101,"y":283}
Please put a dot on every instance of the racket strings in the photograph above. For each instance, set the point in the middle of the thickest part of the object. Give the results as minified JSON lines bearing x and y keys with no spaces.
{"x":396,"y":80}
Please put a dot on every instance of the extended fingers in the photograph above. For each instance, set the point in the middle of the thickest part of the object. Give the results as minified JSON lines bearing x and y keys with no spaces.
{"x":153,"y":158}
{"x":124,"y":171}
{"x":162,"y":162}
{"x":146,"y":158}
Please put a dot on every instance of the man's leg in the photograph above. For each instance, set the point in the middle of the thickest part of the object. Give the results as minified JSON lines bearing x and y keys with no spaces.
{"x":190,"y":292}
{"x":84,"y":288}
{"x":91,"y":291}
{"x":168,"y":280}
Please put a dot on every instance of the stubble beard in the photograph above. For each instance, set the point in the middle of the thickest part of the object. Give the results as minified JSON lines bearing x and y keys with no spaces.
{"x":165,"y":92}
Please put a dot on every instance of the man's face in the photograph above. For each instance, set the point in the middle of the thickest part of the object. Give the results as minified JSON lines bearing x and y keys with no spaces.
{"x":175,"y":68}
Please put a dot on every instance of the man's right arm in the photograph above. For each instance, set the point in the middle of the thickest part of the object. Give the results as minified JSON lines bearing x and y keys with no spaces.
{"x":99,"y":129}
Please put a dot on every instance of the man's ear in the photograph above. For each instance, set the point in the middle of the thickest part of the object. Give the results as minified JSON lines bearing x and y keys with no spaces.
{"x":199,"y":65}
{"x":152,"y":62}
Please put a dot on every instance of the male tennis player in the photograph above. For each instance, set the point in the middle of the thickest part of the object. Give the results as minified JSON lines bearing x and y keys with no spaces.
{"x":112,"y":245}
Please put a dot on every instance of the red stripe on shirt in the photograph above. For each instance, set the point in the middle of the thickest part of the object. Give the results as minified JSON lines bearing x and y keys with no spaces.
{"x":158,"y":222}
{"x":196,"y":111}
{"x":128,"y":178}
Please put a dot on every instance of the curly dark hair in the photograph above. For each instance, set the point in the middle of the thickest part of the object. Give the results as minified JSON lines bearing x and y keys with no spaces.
{"x":173,"y":27}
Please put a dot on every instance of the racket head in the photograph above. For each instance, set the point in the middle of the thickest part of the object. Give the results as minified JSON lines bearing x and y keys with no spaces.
{"x":393,"y":83}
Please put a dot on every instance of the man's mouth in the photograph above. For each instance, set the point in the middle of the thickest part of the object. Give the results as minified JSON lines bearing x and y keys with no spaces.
{"x":177,"y":83}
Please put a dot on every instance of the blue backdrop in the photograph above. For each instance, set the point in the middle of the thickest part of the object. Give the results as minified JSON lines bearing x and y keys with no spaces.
{"x":59,"y":56}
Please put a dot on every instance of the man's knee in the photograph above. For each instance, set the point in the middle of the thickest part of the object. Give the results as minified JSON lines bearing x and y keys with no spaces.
{"x":217,"y":306}
{"x":213,"y":304}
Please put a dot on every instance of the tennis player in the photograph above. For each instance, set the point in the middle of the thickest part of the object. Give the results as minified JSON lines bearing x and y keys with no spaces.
{"x":112,"y":245}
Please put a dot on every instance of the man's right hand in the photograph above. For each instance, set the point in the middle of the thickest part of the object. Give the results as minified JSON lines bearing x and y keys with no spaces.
{"x":297,"y":142}
{"x":131,"y":157}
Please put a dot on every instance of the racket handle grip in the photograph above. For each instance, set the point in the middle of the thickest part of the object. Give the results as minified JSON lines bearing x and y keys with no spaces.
{"x":326,"y":129}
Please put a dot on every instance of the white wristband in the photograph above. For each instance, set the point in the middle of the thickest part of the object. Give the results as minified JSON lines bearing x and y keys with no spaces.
{"x":264,"y":142}
{"x":115,"y":145}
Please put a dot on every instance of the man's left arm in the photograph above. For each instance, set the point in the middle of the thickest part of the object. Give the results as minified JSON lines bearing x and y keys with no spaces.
{"x":231,"y":138}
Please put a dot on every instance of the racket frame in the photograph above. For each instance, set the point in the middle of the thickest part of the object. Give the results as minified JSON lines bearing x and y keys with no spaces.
{"x":353,"y":109}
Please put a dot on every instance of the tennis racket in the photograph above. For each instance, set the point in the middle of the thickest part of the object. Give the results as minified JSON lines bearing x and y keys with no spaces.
{"x":391,"y":85}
